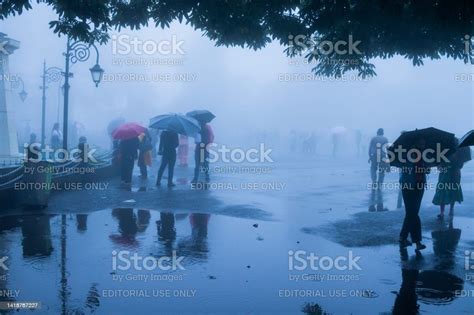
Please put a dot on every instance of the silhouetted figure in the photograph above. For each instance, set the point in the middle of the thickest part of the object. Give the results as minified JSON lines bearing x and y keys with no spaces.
{"x":358,"y":140}
{"x":33,"y":148}
{"x":445,"y":241}
{"x":377,"y":158}
{"x":127,"y":226}
{"x":36,"y":232}
{"x":81,"y":224}
{"x":168,"y":143}
{"x":143,"y":219}
{"x":376,"y":201}
{"x":83,"y":147}
{"x":448,"y":189}
{"x":165,"y":225}
{"x":56,"y":137}
{"x":128,"y":152}
{"x":201,"y":153}
{"x":413,"y":183}
{"x":406,"y":302}
{"x":144,"y":157}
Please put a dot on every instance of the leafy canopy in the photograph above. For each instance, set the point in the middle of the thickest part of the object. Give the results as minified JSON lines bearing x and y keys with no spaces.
{"x":415,"y":29}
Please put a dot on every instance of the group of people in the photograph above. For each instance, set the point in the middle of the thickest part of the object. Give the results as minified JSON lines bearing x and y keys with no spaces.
{"x":413,"y":184}
{"x":171,"y":146}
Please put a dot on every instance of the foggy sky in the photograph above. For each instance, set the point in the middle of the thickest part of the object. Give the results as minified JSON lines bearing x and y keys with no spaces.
{"x":240,"y":86}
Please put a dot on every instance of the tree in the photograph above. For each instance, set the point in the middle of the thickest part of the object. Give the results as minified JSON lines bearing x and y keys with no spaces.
{"x":319,"y":30}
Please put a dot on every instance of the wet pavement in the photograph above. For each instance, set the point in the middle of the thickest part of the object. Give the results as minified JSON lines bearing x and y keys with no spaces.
{"x":240,"y":245}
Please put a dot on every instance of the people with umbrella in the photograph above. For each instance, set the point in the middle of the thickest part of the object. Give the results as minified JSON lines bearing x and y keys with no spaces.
{"x":409,"y":152}
{"x":168,"y":143}
{"x":467,"y":139}
{"x":172,"y":125}
{"x":448,"y":189}
{"x":128,"y":147}
{"x":205,"y":137}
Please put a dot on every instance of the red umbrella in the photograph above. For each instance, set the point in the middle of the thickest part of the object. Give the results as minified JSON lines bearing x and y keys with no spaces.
{"x":128,"y":131}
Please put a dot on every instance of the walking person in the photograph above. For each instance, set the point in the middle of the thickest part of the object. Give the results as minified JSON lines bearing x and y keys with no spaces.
{"x":448,"y":189}
{"x":201,"y":152}
{"x":413,"y":183}
{"x":377,"y":158}
{"x":144,"y":152}
{"x":128,"y":152}
{"x":168,"y":143}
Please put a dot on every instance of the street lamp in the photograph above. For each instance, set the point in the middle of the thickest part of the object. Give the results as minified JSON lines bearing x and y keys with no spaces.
{"x":52,"y":74}
{"x":97,"y":72}
{"x":77,"y":51}
{"x":23,"y":95}
{"x":16,"y":84}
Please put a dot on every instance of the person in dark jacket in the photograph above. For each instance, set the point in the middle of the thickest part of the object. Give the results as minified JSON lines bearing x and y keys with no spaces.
{"x":413,"y":184}
{"x":201,"y":153}
{"x":168,"y":143}
{"x":128,"y":152}
{"x":377,"y":156}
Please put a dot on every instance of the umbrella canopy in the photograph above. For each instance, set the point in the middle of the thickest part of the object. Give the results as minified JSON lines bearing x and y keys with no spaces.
{"x":338,"y":130}
{"x":435,"y":140}
{"x":467,"y":139}
{"x":176,"y":122}
{"x":202,"y":115}
{"x":128,"y":131}
{"x":461,"y":155}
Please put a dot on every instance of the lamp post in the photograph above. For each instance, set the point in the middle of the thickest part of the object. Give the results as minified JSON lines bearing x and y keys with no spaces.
{"x":52,"y":74}
{"x":16,"y":84}
{"x":77,"y":51}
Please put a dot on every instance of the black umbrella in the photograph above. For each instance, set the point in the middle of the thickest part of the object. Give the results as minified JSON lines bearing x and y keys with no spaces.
{"x":433,"y":145}
{"x":176,"y":122}
{"x":461,"y":155}
{"x":467,"y":139}
{"x":202,"y":115}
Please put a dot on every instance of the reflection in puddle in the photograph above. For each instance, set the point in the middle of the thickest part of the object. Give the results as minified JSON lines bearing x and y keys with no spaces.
{"x":228,"y":263}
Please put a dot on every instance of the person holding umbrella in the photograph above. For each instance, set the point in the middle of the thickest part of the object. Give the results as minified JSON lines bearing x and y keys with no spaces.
{"x":172,"y":124}
{"x":413,"y":183}
{"x":128,"y":136}
{"x":409,"y":152}
{"x":448,"y":189}
{"x":206,"y":136}
{"x":168,"y":143}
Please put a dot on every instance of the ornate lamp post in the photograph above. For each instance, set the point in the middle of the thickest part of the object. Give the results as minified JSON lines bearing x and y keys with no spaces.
{"x":16,"y":84}
{"x":52,"y":74}
{"x":77,"y":51}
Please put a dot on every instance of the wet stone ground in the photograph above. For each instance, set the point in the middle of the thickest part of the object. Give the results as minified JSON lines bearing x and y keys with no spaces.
{"x":242,"y":246}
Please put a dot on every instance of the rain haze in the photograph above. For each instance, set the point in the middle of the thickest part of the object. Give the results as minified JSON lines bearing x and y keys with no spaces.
{"x":247,"y":87}
{"x":198,"y":168}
